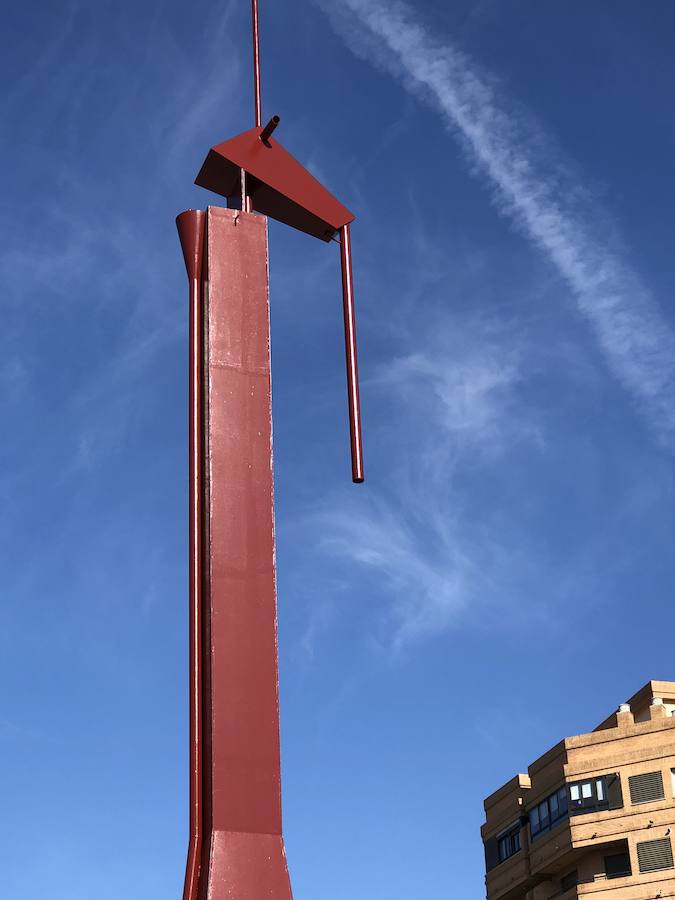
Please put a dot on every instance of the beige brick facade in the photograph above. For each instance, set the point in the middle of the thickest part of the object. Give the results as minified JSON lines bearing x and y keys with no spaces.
{"x":595,"y":815}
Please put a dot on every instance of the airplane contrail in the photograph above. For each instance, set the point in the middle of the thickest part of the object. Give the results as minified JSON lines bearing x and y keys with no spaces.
{"x":531,"y":185}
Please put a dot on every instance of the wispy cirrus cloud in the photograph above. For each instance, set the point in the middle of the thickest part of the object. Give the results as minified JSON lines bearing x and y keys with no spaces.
{"x":532,"y":185}
{"x":427,"y":575}
{"x":80,"y":256}
{"x":451,"y":410}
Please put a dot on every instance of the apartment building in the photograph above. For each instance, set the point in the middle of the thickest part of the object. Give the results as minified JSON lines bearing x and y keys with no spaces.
{"x":595,"y":815}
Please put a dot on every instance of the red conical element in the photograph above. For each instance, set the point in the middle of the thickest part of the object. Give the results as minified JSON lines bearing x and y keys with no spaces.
{"x":278,"y":185}
{"x":190,"y":226}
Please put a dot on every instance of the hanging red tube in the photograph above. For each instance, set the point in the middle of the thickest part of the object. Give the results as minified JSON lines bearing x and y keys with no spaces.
{"x":191,"y":227}
{"x":353,"y":401}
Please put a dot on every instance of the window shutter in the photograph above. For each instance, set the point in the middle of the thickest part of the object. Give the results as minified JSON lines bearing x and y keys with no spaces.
{"x":491,"y":853}
{"x":655,"y":855}
{"x":645,"y":788}
{"x":614,"y":793}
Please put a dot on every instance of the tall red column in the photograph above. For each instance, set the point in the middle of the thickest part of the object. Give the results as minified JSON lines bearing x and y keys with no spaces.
{"x":237,"y":729}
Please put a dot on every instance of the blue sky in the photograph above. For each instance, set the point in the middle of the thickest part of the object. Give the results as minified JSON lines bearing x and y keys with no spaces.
{"x":504,"y":577}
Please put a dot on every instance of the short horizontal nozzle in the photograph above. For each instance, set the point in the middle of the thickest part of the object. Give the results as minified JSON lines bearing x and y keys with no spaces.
{"x":269,"y":128}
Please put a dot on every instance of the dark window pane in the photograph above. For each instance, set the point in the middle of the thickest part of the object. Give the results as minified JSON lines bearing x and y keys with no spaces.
{"x":588,"y":796}
{"x":613,"y":789}
{"x":617,"y":865}
{"x":491,"y":854}
{"x":509,"y":843}
{"x":562,"y":800}
{"x":569,"y":881}
{"x":549,"y":812}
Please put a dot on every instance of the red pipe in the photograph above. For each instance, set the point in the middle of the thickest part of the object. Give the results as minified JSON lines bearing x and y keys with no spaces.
{"x":191,"y":227}
{"x":353,"y":400}
{"x":256,"y":65}
{"x":269,"y":129}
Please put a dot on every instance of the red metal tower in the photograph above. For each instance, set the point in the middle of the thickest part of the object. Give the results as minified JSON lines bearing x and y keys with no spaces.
{"x":236,"y":848}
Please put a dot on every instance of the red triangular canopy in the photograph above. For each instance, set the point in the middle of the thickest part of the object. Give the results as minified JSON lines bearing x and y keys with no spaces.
{"x":279,"y":186}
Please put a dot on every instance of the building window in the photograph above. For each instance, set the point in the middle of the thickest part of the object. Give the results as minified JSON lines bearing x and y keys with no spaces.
{"x":618,"y":865}
{"x":588,"y":795}
{"x":569,"y":881}
{"x":548,"y":813}
{"x":508,"y":843}
{"x":646,"y":788}
{"x":655,"y":855}
{"x":595,"y":794}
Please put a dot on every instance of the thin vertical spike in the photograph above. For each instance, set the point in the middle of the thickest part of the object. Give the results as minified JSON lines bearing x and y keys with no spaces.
{"x":256,"y":65}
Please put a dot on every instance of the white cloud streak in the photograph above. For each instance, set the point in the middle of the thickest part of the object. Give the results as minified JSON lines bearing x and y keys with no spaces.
{"x":79,"y":246}
{"x":533,"y":187}
{"x":428,"y":580}
{"x":454,"y":408}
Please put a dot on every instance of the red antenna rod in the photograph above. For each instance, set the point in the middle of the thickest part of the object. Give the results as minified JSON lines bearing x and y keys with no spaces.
{"x":256,"y":65}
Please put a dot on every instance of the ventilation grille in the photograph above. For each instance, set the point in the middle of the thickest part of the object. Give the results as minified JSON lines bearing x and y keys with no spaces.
{"x":655,"y":855}
{"x":645,"y":788}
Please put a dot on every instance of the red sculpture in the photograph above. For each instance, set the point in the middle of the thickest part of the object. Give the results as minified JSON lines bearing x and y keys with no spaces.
{"x":236,"y":848}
